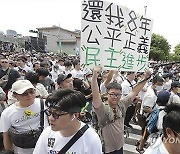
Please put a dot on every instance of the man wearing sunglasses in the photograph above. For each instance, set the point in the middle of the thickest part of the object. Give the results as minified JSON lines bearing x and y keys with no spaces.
{"x":169,"y":142}
{"x":111,"y":121}
{"x":23,"y":115}
{"x":63,"y":109}
{"x":5,"y":70}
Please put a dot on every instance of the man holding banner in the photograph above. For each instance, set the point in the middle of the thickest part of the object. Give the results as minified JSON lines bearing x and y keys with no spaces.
{"x":111,"y":114}
{"x":114,"y":37}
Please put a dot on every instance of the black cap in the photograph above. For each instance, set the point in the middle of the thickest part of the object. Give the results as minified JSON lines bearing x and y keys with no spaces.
{"x":163,"y":96}
{"x":166,"y":75}
{"x":63,"y":77}
{"x":175,"y":84}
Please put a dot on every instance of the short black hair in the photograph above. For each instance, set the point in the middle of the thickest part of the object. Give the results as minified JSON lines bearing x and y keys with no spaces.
{"x":172,"y":118}
{"x":42,"y":72}
{"x":33,"y":77}
{"x":157,"y":79}
{"x":75,"y":62}
{"x":113,"y":85}
{"x":67,"y":100}
{"x":45,"y":64}
{"x":67,"y":63}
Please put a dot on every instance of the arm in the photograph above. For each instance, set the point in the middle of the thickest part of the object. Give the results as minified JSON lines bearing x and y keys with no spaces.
{"x":7,"y":141}
{"x":109,"y":77}
{"x":95,"y":89}
{"x":139,"y":86}
{"x":86,"y":84}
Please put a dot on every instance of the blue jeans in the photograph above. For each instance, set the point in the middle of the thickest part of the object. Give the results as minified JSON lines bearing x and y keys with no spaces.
{"x":120,"y":151}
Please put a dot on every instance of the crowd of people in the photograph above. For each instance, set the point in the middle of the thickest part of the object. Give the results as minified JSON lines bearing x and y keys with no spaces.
{"x":46,"y":100}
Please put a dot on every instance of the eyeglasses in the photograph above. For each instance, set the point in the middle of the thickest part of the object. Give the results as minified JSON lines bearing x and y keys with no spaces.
{"x":55,"y":115}
{"x":28,"y":92}
{"x":4,"y":62}
{"x":113,"y":95}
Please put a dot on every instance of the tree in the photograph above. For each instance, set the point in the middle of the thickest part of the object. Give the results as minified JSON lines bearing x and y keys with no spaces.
{"x":177,"y":49}
{"x":160,"y":48}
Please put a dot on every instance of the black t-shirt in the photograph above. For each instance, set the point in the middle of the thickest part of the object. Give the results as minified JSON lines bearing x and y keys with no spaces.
{"x":13,"y":75}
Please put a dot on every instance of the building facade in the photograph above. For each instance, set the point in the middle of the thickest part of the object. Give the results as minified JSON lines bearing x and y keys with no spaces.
{"x":60,"y":40}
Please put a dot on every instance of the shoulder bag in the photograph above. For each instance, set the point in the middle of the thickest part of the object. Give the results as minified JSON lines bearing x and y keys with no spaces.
{"x":29,"y":138}
{"x":4,"y":79}
{"x":73,"y":139}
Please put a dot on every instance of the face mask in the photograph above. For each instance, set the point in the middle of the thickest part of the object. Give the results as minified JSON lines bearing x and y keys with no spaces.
{"x":159,"y":88}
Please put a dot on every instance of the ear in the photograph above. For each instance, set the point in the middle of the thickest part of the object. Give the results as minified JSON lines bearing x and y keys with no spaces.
{"x":60,"y":85}
{"x":76,"y":115}
{"x":169,"y":132}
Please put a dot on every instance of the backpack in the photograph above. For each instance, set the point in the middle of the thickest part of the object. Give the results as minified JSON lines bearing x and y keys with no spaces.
{"x":106,"y":121}
{"x":151,"y":125}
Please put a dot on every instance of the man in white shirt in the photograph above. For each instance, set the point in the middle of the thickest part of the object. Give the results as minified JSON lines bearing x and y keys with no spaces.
{"x":127,"y":86}
{"x":64,"y":107}
{"x":174,"y":98}
{"x":22,"y":67}
{"x":150,"y":96}
{"x":167,"y":83}
{"x":23,"y":115}
{"x":169,"y":142}
{"x":76,"y":72}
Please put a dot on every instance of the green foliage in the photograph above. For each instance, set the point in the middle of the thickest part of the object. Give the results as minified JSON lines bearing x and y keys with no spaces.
{"x":177,"y":49}
{"x":174,"y":57}
{"x":160,"y":48}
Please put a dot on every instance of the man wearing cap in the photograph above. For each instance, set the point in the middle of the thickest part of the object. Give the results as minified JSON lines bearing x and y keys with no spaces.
{"x":65,"y":81}
{"x":16,"y":114}
{"x":63,"y":108}
{"x":174,"y":98}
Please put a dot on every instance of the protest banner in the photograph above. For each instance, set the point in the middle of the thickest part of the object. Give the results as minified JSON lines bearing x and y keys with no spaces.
{"x":114,"y":37}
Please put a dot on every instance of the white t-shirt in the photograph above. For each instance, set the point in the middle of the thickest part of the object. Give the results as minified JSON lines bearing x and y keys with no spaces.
{"x":174,"y":98}
{"x":157,"y":148}
{"x":103,"y":88}
{"x":41,"y":90}
{"x":77,"y":74}
{"x":51,"y":142}
{"x":160,"y":118}
{"x":149,"y":98}
{"x":167,"y":85}
{"x":142,"y":93}
{"x":126,"y":87}
{"x":14,"y":116}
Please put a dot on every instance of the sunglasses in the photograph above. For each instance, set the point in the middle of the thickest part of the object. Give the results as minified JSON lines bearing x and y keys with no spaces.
{"x":113,"y":95}
{"x":55,"y":115}
{"x":4,"y":62}
{"x":28,"y":92}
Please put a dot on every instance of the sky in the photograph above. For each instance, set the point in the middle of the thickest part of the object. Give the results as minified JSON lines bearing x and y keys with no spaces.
{"x":25,"y":15}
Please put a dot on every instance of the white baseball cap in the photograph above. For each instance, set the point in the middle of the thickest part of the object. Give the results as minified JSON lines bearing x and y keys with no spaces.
{"x":21,"y":86}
